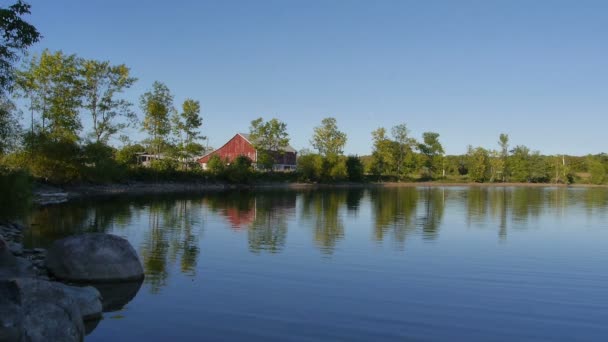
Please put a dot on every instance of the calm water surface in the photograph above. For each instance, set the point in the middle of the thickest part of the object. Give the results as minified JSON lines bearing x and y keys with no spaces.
{"x":355,"y":265}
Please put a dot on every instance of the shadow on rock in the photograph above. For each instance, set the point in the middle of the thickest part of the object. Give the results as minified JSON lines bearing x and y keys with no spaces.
{"x":116,"y":295}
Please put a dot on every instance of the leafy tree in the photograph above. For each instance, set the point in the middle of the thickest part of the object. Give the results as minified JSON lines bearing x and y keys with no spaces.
{"x":539,"y":169}
{"x":327,"y":139}
{"x":310,"y":166}
{"x":497,"y":166}
{"x":404,"y":143}
{"x":157,"y":104}
{"x":269,"y":138}
{"x":239,"y":171}
{"x":503,"y":141}
{"x":432,"y":152}
{"x":9,"y":125}
{"x":127,"y":155}
{"x":519,"y":162}
{"x":52,"y":83}
{"x":597,"y":171}
{"x":383,"y":153}
{"x":354,"y":169}
{"x":216,"y":165}
{"x":17,"y":35}
{"x":102,"y":83}
{"x":478,"y":164}
{"x":189,"y":122}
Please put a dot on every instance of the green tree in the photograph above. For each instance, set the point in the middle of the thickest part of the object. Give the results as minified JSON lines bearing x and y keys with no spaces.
{"x":52,"y":83}
{"x":17,"y":35}
{"x":102,"y":83}
{"x":191,"y":121}
{"x":432,"y":153}
{"x":404,"y":143}
{"x":269,"y":139}
{"x":519,"y":162}
{"x":327,"y":139}
{"x":310,"y":167}
{"x":9,"y":125}
{"x":383,"y":152}
{"x":597,"y":171}
{"x":503,"y":141}
{"x":216,"y":165}
{"x":478,"y":164}
{"x":354,"y":169}
{"x":157,"y":104}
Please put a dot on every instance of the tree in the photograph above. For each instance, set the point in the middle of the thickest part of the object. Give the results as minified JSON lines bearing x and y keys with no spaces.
{"x":519,"y":162}
{"x":404,"y":148}
{"x":432,"y":152}
{"x":52,"y":83}
{"x":383,"y":153}
{"x":478,"y":164}
{"x":17,"y":36}
{"x":102,"y":82}
{"x":354,"y":169}
{"x":9,"y":125}
{"x":327,"y":139}
{"x":157,"y":104}
{"x":191,"y":121}
{"x":597,"y":171}
{"x":269,"y":139}
{"x":503,"y":141}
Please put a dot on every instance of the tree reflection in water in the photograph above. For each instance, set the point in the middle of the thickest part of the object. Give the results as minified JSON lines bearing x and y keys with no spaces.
{"x":166,"y":230}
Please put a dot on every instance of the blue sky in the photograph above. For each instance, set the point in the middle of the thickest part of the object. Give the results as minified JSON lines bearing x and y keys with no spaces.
{"x":469,"y":70}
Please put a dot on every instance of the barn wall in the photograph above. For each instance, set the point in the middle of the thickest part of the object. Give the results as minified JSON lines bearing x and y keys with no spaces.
{"x":235,"y":147}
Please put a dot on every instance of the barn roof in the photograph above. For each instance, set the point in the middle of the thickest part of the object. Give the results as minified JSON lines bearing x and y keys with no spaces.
{"x":247,"y":137}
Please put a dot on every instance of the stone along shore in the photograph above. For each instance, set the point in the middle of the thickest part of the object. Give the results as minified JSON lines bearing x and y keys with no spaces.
{"x":60,"y":294}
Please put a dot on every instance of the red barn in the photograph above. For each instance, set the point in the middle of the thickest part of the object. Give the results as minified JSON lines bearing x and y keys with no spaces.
{"x":241,"y":145}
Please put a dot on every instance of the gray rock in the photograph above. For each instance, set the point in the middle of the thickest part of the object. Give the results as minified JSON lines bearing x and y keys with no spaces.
{"x":94,"y":257}
{"x":49,"y":313}
{"x":37,"y":310}
{"x":15,"y":248}
{"x":7,"y":259}
{"x":11,"y":315}
{"x":88,"y":299}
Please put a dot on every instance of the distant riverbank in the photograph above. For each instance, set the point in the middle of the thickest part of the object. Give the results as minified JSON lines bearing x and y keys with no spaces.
{"x":45,"y":194}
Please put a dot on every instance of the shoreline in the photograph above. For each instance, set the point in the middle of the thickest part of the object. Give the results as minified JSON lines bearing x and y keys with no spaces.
{"x":46,"y":194}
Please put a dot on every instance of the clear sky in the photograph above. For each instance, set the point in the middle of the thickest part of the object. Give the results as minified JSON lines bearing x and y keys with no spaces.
{"x":468,"y":70}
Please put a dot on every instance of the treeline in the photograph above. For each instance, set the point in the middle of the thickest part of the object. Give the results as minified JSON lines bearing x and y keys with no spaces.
{"x":401,"y":157}
{"x":78,"y":112}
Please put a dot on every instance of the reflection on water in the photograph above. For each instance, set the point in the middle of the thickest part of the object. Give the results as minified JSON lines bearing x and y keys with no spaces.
{"x":187,"y":241}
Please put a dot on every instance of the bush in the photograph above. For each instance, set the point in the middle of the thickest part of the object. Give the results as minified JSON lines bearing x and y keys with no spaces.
{"x":15,"y":197}
{"x":239,"y":171}
{"x":354,"y":169}
{"x":310,"y":167}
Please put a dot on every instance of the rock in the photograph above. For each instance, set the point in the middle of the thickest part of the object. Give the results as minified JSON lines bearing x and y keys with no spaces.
{"x":15,"y":248}
{"x":94,"y":257}
{"x":7,"y":259}
{"x":88,"y":299}
{"x":11,"y":266}
{"x":49,"y":312}
{"x":38,"y":310}
{"x":11,"y":315}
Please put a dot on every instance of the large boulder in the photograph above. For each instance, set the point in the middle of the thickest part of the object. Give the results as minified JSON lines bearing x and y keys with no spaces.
{"x":11,"y":315}
{"x":39,"y":310}
{"x":94,"y":257}
{"x":11,"y":266}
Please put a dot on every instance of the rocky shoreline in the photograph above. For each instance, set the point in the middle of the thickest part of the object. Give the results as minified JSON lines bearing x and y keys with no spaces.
{"x":35,"y":305}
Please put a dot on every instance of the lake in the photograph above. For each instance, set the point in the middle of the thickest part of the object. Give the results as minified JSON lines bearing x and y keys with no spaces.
{"x":402,"y":263}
